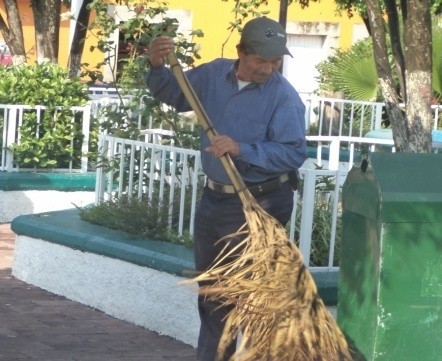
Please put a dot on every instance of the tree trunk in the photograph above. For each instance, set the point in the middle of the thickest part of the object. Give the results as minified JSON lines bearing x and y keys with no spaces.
{"x":386,"y":81}
{"x":396,"y":47}
{"x":13,"y":34}
{"x":412,"y":129}
{"x":47,"y":24}
{"x":78,"y":39}
{"x":418,"y":56}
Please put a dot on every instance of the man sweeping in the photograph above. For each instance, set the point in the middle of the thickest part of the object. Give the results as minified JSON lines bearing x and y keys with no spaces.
{"x":259,"y":118}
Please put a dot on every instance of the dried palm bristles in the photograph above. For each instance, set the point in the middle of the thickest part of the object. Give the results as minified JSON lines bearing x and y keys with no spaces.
{"x":276,"y":305}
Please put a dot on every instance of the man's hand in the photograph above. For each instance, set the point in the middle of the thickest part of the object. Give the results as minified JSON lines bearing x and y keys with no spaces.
{"x":221,"y":145}
{"x":158,"y":49}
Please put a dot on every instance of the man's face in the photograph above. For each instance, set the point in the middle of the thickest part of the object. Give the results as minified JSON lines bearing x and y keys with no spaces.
{"x":255,"y":69}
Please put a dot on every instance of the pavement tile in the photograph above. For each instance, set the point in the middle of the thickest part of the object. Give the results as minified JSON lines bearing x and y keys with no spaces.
{"x":40,"y":326}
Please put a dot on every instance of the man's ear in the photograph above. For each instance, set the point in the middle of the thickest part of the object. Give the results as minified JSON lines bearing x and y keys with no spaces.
{"x":238,"y":50}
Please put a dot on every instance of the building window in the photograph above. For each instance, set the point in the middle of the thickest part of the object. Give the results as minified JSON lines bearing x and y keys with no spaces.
{"x":309,"y":43}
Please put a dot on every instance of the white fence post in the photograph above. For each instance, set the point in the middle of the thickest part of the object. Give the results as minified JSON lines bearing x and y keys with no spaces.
{"x":333,"y":160}
{"x":86,"y":126}
{"x":11,"y":136}
{"x":308,"y":205}
{"x":100,"y":181}
{"x":378,"y":115}
{"x":13,"y":117}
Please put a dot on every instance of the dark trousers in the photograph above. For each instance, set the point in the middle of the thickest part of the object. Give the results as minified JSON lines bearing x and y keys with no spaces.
{"x":218,"y":215}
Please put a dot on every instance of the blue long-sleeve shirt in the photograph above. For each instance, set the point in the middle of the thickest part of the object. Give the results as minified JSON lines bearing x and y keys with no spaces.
{"x":267,"y":120}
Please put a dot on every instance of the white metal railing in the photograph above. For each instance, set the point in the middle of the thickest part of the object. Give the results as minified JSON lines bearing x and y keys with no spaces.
{"x":97,"y":92}
{"x":333,"y":116}
{"x":103,"y":104}
{"x":326,"y":117}
{"x":303,"y":220}
{"x":329,"y":116}
{"x":148,"y":170}
{"x":339,"y":117}
{"x":342,"y":117}
{"x":341,"y":152}
{"x":169,"y":171}
{"x":11,"y":121}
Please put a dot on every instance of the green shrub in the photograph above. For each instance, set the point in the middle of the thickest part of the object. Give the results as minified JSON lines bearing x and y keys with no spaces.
{"x":136,"y":217}
{"x":40,"y":84}
{"x":53,"y":139}
{"x":144,"y":219}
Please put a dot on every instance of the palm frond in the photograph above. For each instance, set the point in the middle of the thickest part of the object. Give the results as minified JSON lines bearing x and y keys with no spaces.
{"x":437,"y":59}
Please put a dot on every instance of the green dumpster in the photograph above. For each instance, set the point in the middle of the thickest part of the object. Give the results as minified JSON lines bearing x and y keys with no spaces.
{"x":390,"y":276}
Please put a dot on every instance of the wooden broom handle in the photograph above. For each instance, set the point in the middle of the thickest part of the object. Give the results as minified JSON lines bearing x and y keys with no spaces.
{"x":227,"y":162}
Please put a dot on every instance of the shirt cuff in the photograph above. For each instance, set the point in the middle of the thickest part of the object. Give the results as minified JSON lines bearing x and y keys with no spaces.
{"x":155,"y":67}
{"x":245,"y":151}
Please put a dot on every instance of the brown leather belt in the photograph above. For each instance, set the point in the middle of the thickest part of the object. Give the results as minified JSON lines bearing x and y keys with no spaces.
{"x":255,"y":189}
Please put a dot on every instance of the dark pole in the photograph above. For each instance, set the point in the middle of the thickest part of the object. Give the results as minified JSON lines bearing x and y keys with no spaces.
{"x":283,"y":13}
{"x":283,"y":18}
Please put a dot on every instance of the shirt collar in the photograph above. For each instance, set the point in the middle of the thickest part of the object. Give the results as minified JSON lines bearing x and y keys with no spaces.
{"x":231,"y":75}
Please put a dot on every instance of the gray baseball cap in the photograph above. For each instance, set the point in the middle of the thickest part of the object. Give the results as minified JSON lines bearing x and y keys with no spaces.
{"x":266,"y":36}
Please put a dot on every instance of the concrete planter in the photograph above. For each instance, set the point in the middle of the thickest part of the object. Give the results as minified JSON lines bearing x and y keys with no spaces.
{"x":30,"y":193}
{"x":139,"y":281}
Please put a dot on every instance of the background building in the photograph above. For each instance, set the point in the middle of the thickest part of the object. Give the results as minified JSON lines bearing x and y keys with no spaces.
{"x":313,"y":33}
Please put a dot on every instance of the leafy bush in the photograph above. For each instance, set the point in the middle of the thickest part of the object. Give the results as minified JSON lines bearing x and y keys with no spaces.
{"x":136,"y":217}
{"x":144,"y":219}
{"x":40,"y":84}
{"x":139,"y":111}
{"x":51,"y":138}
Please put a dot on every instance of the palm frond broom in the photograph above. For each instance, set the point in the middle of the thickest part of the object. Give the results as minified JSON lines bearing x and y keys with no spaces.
{"x":276,"y":305}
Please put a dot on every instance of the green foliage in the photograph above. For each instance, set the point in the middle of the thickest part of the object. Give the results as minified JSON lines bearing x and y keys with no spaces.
{"x":126,"y":120}
{"x":135,"y":217}
{"x":138,"y":32}
{"x":242,"y":11}
{"x":50,"y":138}
{"x":139,"y":110}
{"x":359,"y":7}
{"x":436,"y":7}
{"x":40,"y":84}
{"x":437,"y":61}
{"x":353,"y":72}
{"x":321,"y":235}
{"x":143,"y":219}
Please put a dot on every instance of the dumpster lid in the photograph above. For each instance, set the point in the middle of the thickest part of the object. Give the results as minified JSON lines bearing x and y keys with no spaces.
{"x":409,"y":177}
{"x":408,"y":186}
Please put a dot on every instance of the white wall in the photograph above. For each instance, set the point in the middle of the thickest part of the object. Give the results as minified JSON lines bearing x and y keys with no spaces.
{"x":17,"y":203}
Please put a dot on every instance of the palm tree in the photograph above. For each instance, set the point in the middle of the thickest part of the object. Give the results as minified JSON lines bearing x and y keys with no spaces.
{"x":353,"y":72}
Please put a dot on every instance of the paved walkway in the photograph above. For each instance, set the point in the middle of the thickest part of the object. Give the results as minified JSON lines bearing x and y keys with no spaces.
{"x":38,"y":325}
